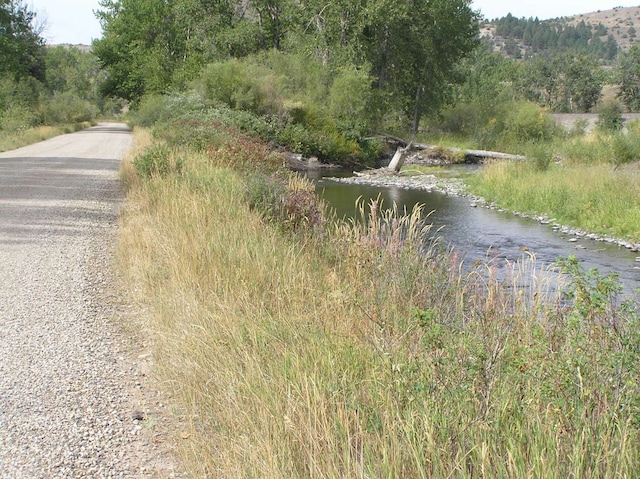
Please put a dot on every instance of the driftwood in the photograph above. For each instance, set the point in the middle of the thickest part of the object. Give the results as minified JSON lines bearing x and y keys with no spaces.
{"x":404,"y":148}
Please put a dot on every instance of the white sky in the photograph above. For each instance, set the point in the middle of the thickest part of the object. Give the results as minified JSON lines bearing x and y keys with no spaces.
{"x":545,"y":9}
{"x":73,"y":21}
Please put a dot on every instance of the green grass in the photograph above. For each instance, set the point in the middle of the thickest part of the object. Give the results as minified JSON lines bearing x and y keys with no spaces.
{"x":598,"y":198}
{"x":345,"y":353}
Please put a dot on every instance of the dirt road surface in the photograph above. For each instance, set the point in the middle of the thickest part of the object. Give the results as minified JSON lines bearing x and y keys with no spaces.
{"x":73,"y":402}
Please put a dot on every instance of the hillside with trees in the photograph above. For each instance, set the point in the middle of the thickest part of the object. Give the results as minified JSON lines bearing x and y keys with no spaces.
{"x":602,"y":34}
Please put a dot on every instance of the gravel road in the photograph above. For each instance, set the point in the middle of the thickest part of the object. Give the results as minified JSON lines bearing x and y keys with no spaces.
{"x":73,"y":398}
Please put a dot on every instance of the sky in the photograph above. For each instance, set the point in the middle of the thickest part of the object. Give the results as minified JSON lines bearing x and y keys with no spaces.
{"x":73,"y":21}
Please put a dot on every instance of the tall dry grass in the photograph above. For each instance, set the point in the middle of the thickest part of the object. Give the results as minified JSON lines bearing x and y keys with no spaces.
{"x":348,"y":354}
{"x":18,"y":139}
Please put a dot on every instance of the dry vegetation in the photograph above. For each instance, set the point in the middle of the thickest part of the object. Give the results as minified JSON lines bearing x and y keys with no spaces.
{"x":345,"y":353}
{"x":17,"y":139}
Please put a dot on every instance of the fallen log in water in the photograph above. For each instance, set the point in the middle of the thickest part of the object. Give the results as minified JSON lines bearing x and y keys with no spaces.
{"x":470,"y":156}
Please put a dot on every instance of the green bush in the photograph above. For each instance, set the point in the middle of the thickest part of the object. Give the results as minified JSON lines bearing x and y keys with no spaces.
{"x":150,"y":110}
{"x":525,"y":122}
{"x":540,"y":155}
{"x":157,"y":160}
{"x":350,"y":103}
{"x":17,"y":118}
{"x":23,"y":93}
{"x":463,"y":119}
{"x":610,"y":116}
{"x":244,"y":86}
{"x":67,"y":107}
{"x":625,"y":148}
{"x":155,"y":108}
{"x":585,"y":151}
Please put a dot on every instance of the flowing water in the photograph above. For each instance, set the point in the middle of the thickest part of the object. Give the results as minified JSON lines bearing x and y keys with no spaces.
{"x":485,"y":234}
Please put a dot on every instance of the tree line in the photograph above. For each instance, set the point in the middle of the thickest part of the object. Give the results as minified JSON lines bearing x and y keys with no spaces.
{"x":40,"y":84}
{"x":409,"y":49}
{"x":347,"y":68}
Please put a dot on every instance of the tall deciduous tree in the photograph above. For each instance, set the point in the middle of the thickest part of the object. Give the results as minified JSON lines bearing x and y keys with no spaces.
{"x":629,"y":71}
{"x":414,"y":47}
{"x":410,"y":47}
{"x":583,"y":81}
{"x":21,"y":46}
{"x":140,"y":46}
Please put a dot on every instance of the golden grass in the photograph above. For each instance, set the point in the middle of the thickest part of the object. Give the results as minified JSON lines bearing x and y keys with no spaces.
{"x":11,"y":141}
{"x":351,"y":355}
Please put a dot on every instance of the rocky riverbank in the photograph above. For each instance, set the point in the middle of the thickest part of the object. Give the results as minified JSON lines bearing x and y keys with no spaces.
{"x":457,"y":187}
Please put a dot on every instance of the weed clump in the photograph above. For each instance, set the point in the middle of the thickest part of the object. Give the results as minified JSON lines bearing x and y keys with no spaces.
{"x":157,"y":160}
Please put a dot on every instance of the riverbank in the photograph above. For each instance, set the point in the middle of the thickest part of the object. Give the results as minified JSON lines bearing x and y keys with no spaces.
{"x":457,"y":187}
{"x":299,"y":348}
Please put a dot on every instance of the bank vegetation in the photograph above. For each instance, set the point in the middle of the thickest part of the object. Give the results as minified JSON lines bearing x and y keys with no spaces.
{"x":297,"y":346}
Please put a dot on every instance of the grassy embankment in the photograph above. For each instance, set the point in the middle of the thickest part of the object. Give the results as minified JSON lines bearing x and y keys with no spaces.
{"x":596,"y":186}
{"x":344,"y":353}
{"x":20,"y":138}
{"x":596,"y":198}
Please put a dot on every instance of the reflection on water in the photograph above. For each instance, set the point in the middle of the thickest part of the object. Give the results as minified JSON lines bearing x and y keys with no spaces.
{"x":481,"y":234}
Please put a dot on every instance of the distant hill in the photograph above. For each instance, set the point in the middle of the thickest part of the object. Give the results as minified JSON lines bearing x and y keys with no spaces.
{"x":622,"y":22}
{"x":79,"y":46}
{"x":603,"y":33}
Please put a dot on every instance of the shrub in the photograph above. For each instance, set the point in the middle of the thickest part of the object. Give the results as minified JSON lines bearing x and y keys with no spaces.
{"x":68,"y":107}
{"x":157,"y":160}
{"x":540,"y":155}
{"x":350,"y":102}
{"x":154,"y":108}
{"x":610,"y":117}
{"x":463,"y":119}
{"x":524,"y":121}
{"x":288,"y":200}
{"x":625,"y":148}
{"x":579,"y":128}
{"x":586,"y":151}
{"x":17,"y":118}
{"x":243,"y":86}
{"x":150,"y":110}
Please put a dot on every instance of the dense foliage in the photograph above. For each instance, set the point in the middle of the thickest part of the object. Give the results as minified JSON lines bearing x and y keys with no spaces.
{"x":21,"y":47}
{"x":409,"y":49}
{"x":40,"y":84}
{"x":629,"y":68}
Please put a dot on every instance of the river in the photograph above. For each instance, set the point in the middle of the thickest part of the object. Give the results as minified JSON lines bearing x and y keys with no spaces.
{"x":484,"y":234}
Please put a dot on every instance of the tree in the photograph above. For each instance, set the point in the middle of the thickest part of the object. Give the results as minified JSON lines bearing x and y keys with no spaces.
{"x":490,"y":78}
{"x":414,"y":47}
{"x":71,"y":69}
{"x":611,"y":48}
{"x":582,"y":83}
{"x":140,"y":46}
{"x":540,"y":81}
{"x":629,"y":73}
{"x":21,"y":47}
{"x":564,"y":82}
{"x":411,"y":48}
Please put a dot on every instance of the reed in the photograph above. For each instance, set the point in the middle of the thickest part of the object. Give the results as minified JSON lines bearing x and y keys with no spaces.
{"x":365,"y":349}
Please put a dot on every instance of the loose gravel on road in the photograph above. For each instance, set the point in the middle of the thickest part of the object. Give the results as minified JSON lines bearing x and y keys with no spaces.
{"x":72,"y":392}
